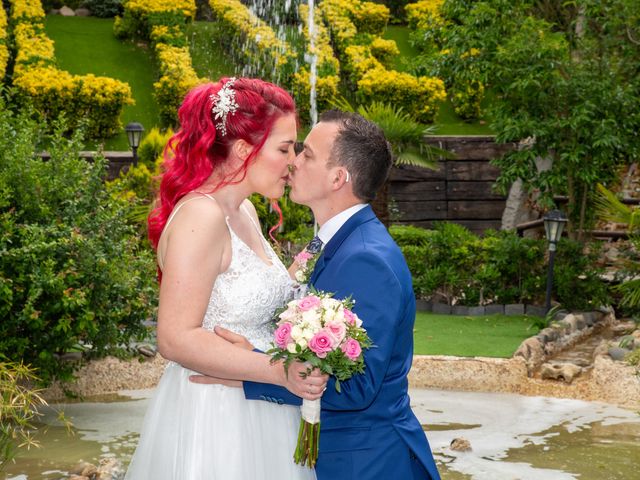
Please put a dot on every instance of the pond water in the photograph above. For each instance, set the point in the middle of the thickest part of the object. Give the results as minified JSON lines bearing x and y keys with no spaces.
{"x":512,"y":437}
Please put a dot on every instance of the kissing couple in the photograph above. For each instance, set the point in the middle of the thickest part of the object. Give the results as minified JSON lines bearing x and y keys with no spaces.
{"x":222,"y":409}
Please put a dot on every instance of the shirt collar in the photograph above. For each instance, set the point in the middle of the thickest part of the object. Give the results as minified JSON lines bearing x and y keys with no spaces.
{"x":331,"y":226}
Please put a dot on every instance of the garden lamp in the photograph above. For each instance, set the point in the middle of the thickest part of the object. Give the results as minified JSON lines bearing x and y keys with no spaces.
{"x":554,"y":222}
{"x":134,"y":133}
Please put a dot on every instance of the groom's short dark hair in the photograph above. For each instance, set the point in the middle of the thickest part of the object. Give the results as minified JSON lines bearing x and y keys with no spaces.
{"x":361,"y":147}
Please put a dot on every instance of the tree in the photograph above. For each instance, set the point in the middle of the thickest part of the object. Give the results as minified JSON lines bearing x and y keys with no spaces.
{"x":566,"y":77}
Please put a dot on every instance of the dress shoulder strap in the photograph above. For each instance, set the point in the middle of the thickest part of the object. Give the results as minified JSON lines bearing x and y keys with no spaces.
{"x":253,"y":221}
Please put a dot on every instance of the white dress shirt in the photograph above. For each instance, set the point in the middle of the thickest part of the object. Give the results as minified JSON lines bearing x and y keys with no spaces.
{"x":331,"y":226}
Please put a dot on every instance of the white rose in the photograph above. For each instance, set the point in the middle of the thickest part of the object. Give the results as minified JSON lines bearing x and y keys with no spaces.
{"x":296,"y":333}
{"x":308,"y":334}
{"x":299,"y":275}
{"x":302,"y":342}
{"x":310,"y":317}
{"x":291,"y":348}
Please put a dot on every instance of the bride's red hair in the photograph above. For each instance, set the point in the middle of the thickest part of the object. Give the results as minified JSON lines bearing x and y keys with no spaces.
{"x":197,"y":149}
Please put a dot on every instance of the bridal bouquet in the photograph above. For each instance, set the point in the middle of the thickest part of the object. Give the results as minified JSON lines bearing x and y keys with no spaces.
{"x":325,"y":333}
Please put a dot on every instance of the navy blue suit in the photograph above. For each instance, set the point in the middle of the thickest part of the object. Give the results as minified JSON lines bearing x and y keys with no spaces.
{"x":368,"y":431}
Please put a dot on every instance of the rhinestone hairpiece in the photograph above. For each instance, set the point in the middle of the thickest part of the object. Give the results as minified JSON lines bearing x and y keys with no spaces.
{"x":224,"y":103}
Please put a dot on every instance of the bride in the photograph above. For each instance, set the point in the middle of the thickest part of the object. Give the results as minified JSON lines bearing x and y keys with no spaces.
{"x":236,"y":138}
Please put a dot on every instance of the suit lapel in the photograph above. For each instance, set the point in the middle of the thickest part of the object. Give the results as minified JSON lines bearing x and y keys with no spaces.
{"x":362,"y":216}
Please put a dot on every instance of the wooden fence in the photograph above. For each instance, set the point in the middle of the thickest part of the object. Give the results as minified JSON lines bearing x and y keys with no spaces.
{"x":459,"y":191}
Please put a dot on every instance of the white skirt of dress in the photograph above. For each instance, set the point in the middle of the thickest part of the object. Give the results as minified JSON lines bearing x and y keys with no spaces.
{"x":196,"y":432}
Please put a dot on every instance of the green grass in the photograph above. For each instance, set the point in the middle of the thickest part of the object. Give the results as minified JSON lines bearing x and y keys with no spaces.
{"x":447,"y":122}
{"x":482,"y":336}
{"x":87,"y":45}
{"x":208,"y":58}
{"x":407,"y":50}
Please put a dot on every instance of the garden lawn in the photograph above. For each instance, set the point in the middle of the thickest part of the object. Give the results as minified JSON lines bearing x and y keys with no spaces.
{"x":87,"y":45}
{"x":482,"y":336}
{"x":447,"y":122}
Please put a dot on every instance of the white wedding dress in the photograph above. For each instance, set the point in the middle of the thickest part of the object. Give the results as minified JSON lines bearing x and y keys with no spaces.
{"x":211,"y":432}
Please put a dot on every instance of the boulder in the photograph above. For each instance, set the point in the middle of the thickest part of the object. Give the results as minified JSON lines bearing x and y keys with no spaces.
{"x":67,"y":12}
{"x":83,"y":12}
{"x":532,"y":352}
{"x":618,"y":353}
{"x":460,"y":445}
{"x":560,"y":371}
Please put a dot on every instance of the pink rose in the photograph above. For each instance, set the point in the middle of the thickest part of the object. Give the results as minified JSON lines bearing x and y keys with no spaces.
{"x":282,"y":335}
{"x":309,"y":302}
{"x":349,"y":316}
{"x":303,"y":257}
{"x":321,"y":343}
{"x":337,"y":330}
{"x":351,"y":349}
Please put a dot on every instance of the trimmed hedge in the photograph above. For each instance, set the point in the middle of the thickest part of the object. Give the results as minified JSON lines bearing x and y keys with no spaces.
{"x":95,"y":101}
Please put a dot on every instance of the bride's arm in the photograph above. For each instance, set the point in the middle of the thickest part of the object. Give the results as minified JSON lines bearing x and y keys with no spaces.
{"x":197,"y":250}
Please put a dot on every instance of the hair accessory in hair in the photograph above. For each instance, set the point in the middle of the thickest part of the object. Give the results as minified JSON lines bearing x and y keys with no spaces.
{"x":224,"y":102}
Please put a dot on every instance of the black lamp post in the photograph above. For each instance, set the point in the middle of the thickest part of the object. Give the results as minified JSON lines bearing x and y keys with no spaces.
{"x":134,"y":133}
{"x":554,"y":222}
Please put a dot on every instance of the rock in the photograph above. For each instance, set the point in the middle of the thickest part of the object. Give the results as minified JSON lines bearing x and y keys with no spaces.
{"x":532,"y":352}
{"x":623,"y":328}
{"x":548,"y":334}
{"x":617,"y":353}
{"x":460,"y":445}
{"x":83,"y":12}
{"x":109,"y":469}
{"x":571,"y":322}
{"x":146,"y":350}
{"x":556,"y":371}
{"x":78,"y":477}
{"x":89,"y":471}
{"x":67,"y":12}
{"x":79,"y":468}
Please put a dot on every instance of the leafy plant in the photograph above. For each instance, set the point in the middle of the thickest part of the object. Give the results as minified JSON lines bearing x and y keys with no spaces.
{"x":73,"y":269}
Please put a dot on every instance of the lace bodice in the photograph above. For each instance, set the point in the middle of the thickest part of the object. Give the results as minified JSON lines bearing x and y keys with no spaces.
{"x":247,"y":294}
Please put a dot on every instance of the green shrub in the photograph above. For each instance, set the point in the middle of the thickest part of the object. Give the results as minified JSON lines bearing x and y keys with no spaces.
{"x":74,"y":274}
{"x":450,"y":263}
{"x":104,"y":8}
{"x":152,"y":146}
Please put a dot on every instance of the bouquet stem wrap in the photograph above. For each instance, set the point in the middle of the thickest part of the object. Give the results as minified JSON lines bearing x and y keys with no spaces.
{"x":309,"y":434}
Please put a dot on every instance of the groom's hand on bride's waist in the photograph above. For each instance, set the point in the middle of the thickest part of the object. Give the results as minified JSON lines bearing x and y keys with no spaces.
{"x":236,"y":339}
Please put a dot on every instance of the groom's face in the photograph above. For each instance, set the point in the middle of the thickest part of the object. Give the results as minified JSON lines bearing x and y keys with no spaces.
{"x":312,"y":177}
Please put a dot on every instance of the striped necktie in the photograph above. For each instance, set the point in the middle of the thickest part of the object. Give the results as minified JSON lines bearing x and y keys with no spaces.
{"x":315,"y":245}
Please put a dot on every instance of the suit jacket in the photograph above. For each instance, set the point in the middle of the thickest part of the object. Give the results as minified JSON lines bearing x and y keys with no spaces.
{"x":368,"y":431}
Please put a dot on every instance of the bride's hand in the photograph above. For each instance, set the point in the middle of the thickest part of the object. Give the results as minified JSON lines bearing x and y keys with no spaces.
{"x":309,"y":386}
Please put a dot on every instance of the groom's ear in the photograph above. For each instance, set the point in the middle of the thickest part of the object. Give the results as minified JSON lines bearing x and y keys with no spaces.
{"x":340,"y":177}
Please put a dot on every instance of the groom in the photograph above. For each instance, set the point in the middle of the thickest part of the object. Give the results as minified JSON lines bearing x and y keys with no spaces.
{"x":368,"y":430}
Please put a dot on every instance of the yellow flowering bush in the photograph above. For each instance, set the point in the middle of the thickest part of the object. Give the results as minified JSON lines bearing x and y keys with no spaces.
{"x":177,"y":77}
{"x":384,"y":50}
{"x":424,"y":14}
{"x":466,"y":96}
{"x":51,"y":91}
{"x":358,"y":61}
{"x":187,"y":8}
{"x":369,"y":17}
{"x":169,"y":34}
{"x":32,"y":45}
{"x":335,"y":14}
{"x":4,"y":51}
{"x":419,"y":96}
{"x":26,"y":11}
{"x":326,"y":90}
{"x":328,"y":64}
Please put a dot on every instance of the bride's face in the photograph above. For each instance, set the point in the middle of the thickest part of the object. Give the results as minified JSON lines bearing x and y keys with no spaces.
{"x":269,"y":172}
